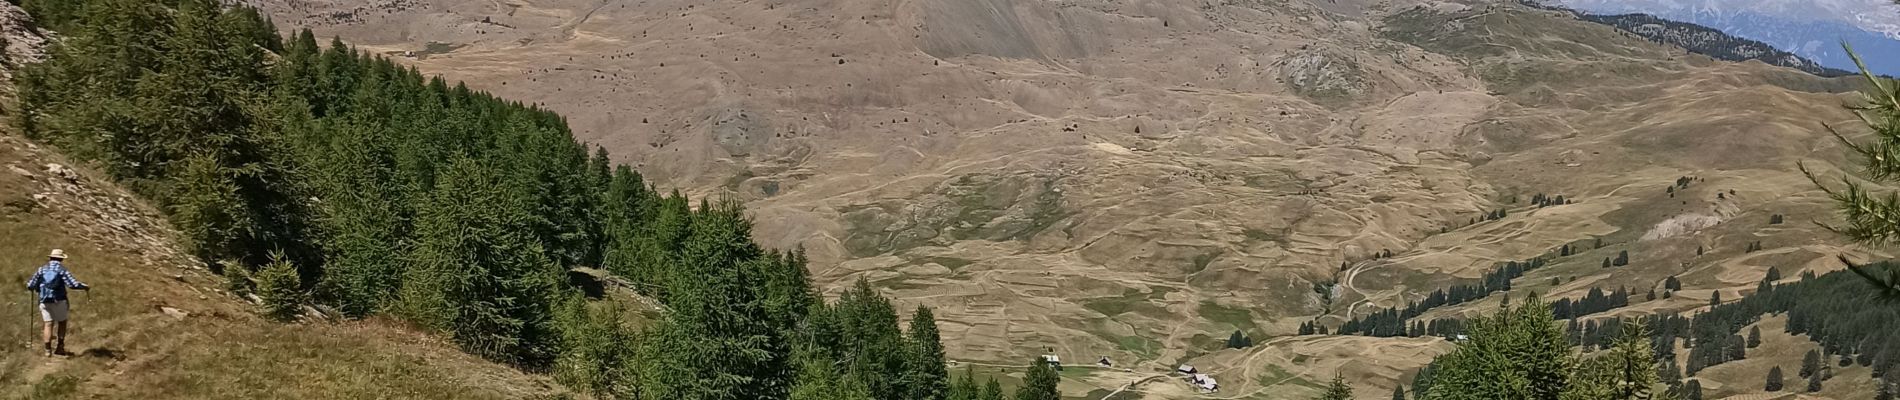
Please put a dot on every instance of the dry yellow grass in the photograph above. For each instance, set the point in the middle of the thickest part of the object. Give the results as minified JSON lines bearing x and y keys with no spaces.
{"x":156,"y":326}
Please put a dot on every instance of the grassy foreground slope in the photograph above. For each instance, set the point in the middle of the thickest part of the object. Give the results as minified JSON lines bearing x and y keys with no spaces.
{"x":159,"y":326}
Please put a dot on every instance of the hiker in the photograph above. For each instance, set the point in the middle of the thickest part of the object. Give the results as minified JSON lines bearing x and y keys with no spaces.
{"x":51,"y":282}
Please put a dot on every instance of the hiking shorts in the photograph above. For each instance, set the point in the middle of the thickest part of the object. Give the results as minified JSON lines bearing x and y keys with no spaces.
{"x":54,"y":311}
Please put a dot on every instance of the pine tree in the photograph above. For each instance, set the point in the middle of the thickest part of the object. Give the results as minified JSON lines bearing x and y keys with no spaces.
{"x":928,"y":378}
{"x":1814,"y":383}
{"x":816,"y":380}
{"x":1774,"y":380}
{"x":1692,"y":390}
{"x":1810,"y":363}
{"x":1626,"y":372}
{"x":280,"y":290}
{"x":1398,"y":392}
{"x":596,"y":355}
{"x":1516,"y":353}
{"x":991,"y":391}
{"x":1622,"y":258}
{"x":1754,"y":337}
{"x":476,"y":273}
{"x":1865,"y":210}
{"x":1237,"y":340}
{"x":965,"y":387}
{"x":1039,"y":383}
{"x":1337,"y":390}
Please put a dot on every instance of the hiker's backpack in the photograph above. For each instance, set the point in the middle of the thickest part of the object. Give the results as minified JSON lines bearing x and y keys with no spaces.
{"x":51,"y":284}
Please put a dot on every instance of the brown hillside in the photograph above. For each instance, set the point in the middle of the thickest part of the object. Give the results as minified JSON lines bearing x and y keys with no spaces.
{"x":1139,"y":179}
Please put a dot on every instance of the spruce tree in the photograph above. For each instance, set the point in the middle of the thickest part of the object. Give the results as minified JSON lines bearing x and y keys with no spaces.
{"x":1774,"y":380}
{"x":280,"y":290}
{"x":929,"y":379}
{"x":1517,"y":353}
{"x":1040,"y":382}
{"x":1337,"y":390}
{"x":476,"y":272}
{"x":1754,"y":337}
{"x":1814,"y":383}
{"x":816,"y":380}
{"x":1811,"y":363}
{"x":1237,"y":340}
{"x":991,"y":391}
{"x":965,"y":387}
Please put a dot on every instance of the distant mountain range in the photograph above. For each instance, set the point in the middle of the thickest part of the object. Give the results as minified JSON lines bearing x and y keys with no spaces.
{"x":1810,"y":29}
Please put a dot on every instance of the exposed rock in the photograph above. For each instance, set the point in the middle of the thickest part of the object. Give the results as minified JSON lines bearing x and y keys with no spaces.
{"x":175,"y":313}
{"x":62,"y":172}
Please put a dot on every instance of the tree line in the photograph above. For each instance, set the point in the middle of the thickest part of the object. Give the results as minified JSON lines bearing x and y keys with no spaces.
{"x":314,"y":174}
{"x":1392,"y":321}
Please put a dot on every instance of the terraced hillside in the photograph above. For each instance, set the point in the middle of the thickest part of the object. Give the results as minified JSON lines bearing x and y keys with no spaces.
{"x":1140,"y":179}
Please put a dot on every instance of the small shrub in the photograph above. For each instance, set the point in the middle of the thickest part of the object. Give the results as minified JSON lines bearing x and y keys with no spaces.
{"x":237,"y":278}
{"x":280,"y":289}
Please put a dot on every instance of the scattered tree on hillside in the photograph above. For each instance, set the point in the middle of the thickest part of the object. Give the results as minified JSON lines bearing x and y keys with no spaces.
{"x":1754,"y":337}
{"x":1810,"y":363}
{"x":1398,"y":392}
{"x":1814,"y":383}
{"x":1774,"y":380}
{"x":1622,"y":258}
{"x":1337,"y":390}
{"x":1239,"y":340}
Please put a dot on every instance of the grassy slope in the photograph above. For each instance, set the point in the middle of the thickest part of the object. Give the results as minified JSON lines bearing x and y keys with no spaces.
{"x":130,"y":347}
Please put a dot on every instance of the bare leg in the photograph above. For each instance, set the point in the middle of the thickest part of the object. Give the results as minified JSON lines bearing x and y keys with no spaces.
{"x":61,"y":348}
{"x":46,"y":336}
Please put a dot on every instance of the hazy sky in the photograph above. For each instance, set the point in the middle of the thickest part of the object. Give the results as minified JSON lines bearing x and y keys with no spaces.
{"x":1871,"y":15}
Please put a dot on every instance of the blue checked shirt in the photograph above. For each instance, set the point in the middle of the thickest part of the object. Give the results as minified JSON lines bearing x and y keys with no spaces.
{"x":51,"y":281}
